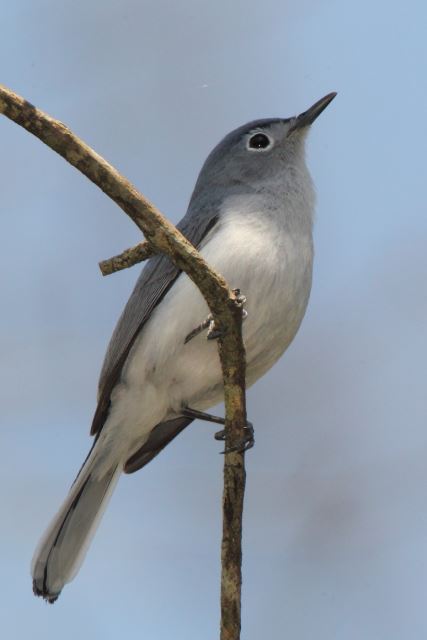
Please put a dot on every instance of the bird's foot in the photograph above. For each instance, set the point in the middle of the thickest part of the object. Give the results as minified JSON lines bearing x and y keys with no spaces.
{"x":208,"y":324}
{"x":215,"y":332}
{"x":247,"y":442}
{"x":240,"y":300}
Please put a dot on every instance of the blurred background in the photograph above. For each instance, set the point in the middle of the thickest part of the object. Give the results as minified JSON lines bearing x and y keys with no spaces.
{"x":335,"y":534}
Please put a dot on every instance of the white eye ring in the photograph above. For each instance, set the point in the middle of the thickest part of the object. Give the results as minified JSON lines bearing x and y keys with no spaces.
{"x":259,"y":141}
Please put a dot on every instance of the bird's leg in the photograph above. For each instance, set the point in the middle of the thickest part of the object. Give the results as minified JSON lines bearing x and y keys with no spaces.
{"x":201,"y":415}
{"x":209,"y":324}
{"x":247,"y":442}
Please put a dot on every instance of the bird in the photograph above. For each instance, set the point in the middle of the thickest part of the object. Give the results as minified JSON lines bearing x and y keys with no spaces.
{"x":251,"y":218}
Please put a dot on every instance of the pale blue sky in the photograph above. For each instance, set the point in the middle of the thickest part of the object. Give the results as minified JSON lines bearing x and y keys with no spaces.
{"x":335,"y":542}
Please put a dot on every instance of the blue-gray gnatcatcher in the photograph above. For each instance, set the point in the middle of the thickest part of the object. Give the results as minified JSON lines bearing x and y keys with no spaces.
{"x":251,"y":217}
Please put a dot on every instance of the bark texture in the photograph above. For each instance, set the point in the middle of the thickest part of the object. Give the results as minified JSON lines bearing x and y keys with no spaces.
{"x":127,"y":258}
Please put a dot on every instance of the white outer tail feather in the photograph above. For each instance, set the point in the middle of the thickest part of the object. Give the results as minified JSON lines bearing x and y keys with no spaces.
{"x":63,"y":547}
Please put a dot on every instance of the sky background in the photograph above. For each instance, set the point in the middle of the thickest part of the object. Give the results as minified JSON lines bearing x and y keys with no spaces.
{"x":335,"y":530}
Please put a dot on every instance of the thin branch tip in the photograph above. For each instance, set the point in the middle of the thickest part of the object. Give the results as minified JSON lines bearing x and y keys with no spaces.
{"x":128,"y":258}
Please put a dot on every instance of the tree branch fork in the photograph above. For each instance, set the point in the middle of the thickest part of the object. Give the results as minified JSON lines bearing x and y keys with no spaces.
{"x":163,"y":237}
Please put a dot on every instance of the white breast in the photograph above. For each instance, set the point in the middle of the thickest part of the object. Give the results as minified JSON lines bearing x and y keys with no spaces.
{"x":272,"y":268}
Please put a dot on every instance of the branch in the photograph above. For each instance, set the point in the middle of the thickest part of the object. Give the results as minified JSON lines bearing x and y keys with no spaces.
{"x":127,"y":258}
{"x":165,"y":238}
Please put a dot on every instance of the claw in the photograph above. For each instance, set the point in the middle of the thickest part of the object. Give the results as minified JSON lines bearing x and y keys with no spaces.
{"x":216,"y":332}
{"x":240,"y":298}
{"x":247,"y":442}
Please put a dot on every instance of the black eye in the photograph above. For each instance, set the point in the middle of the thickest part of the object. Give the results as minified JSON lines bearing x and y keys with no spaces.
{"x":259,"y":141}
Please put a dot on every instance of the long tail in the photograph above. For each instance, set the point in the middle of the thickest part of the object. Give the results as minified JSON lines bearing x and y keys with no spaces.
{"x":62,"y":548}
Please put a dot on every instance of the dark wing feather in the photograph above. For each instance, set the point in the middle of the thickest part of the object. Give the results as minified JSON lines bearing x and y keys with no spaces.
{"x":160,"y":436}
{"x":156,"y":278}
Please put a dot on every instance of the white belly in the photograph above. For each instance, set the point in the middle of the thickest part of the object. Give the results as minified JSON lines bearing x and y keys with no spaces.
{"x":163,"y":374}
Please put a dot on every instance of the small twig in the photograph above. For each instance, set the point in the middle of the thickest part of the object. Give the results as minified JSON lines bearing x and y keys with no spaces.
{"x":163,"y":237}
{"x":128,"y":258}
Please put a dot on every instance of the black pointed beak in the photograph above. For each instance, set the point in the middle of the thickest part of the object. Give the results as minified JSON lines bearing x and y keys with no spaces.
{"x":307,"y":118}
